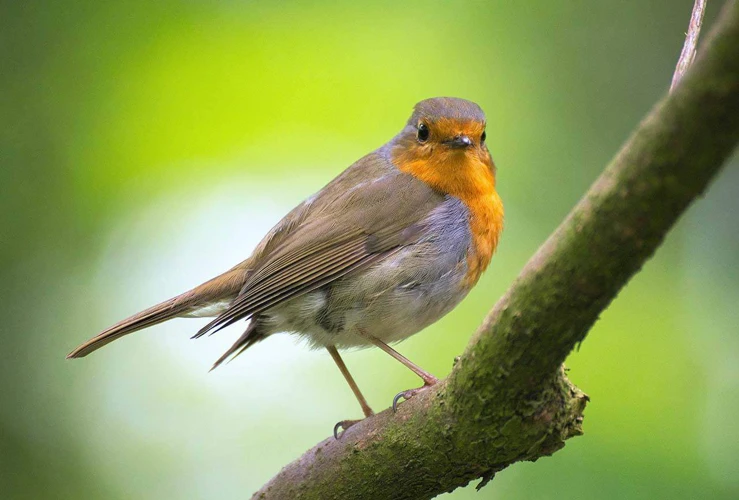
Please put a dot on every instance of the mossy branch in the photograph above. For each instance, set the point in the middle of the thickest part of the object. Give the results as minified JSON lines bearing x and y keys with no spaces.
{"x":507,"y":398}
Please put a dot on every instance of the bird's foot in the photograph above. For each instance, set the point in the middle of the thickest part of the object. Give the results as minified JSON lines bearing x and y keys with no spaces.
{"x":343,"y":426}
{"x":405,"y":395}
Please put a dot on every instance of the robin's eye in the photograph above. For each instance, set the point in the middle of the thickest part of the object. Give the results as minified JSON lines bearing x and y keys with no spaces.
{"x":483,"y":136}
{"x":423,"y":132}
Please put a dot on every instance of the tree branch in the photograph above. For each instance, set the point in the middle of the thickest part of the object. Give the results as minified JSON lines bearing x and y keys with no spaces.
{"x":507,"y":398}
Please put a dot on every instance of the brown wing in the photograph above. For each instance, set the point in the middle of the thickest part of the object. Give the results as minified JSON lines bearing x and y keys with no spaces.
{"x":355,"y":229}
{"x":295,"y":277}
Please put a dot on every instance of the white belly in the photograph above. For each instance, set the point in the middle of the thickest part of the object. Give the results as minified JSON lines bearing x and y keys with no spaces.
{"x":367,"y":304}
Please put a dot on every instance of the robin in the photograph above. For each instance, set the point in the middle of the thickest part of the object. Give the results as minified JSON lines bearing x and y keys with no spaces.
{"x":385,"y":249}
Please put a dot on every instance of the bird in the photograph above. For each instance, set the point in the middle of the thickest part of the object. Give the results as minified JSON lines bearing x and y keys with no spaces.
{"x":385,"y":249}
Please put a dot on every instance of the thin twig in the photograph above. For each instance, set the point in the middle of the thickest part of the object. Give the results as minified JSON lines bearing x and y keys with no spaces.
{"x":691,"y":42}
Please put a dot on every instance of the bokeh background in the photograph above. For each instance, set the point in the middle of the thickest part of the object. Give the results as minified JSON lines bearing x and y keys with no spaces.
{"x":146,"y":146}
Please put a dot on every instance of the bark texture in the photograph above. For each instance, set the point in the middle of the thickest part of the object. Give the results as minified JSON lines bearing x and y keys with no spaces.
{"x":507,"y":398}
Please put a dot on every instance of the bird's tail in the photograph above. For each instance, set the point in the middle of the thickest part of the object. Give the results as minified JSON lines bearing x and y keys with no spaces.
{"x":223,"y":287}
{"x":156,"y":314}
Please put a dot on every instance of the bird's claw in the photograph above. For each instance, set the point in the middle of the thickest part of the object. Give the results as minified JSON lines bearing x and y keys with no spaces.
{"x":406,"y":395}
{"x":396,"y":399}
{"x":344,"y":424}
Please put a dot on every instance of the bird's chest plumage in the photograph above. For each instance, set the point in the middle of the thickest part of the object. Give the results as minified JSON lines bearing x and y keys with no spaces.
{"x":470,"y":179}
{"x":486,"y":224}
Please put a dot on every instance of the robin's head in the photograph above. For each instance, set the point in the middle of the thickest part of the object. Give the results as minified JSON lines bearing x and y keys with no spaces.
{"x":448,"y":123}
{"x":443,"y":143}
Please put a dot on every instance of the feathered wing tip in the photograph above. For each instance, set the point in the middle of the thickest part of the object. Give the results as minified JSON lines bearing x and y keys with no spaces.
{"x":210,"y":327}
{"x":247,"y":339}
{"x":146,"y":318}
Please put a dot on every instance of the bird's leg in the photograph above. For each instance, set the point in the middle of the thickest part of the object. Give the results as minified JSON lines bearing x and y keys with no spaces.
{"x":345,"y":424}
{"x":350,"y":380}
{"x":428,"y":379}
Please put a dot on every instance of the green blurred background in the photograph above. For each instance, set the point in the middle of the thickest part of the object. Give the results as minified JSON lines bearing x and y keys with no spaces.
{"x":146,"y":146}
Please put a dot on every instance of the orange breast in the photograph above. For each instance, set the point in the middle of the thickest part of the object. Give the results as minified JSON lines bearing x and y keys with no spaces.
{"x":486,"y":224}
{"x":469,"y":177}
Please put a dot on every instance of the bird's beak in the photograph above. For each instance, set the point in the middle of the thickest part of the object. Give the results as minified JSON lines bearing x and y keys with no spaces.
{"x":459,"y":142}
